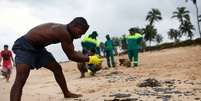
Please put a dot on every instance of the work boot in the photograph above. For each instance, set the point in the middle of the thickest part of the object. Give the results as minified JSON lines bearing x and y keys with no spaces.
{"x":113,"y":64}
{"x":82,"y":76}
{"x":135,"y":64}
{"x":109,"y":66}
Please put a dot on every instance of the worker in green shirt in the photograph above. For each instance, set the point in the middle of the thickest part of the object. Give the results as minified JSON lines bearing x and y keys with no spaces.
{"x":109,"y":48}
{"x":133,"y":40}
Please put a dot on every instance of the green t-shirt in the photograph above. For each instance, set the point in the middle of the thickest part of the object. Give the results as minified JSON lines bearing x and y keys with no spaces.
{"x":109,"y":45}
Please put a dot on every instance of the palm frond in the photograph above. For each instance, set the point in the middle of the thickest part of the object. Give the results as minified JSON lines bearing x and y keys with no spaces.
{"x":194,"y":1}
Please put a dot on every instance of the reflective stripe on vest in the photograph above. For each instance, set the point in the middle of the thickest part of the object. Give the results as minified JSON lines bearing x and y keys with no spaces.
{"x":135,"y":36}
{"x":88,"y":39}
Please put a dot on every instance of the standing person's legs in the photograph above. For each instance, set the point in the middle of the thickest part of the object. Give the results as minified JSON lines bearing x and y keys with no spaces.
{"x":22,"y":73}
{"x":136,"y":57}
{"x":8,"y":75}
{"x":108,"y":58}
{"x":9,"y":68}
{"x":130,"y":55}
{"x":59,"y":76}
{"x":108,"y":61}
{"x":112,"y":58}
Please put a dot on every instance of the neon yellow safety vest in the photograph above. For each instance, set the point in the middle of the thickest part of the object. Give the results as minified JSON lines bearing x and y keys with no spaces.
{"x":88,"y":39}
{"x":133,"y":41}
{"x":135,"y":36}
{"x":90,"y":43}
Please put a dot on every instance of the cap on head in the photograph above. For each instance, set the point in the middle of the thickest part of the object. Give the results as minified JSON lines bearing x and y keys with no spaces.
{"x":94,"y":33}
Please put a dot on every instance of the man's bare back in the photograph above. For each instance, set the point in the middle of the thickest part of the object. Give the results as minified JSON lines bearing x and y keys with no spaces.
{"x":51,"y":33}
{"x":48,"y":33}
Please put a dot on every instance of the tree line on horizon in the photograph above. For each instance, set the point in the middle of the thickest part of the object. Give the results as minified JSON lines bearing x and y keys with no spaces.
{"x":150,"y":31}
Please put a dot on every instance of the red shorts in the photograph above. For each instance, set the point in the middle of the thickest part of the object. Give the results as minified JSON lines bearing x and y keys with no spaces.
{"x":7,"y":64}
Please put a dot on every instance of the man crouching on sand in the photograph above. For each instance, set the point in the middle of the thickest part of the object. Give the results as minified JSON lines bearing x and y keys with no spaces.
{"x":31,"y":53}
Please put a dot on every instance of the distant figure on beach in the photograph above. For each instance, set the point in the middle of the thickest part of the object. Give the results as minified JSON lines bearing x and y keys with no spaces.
{"x":7,"y":57}
{"x":133,"y":39}
{"x":31,"y":53}
{"x":109,"y":50}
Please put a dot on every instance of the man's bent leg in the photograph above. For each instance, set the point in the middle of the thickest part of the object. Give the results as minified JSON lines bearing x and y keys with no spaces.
{"x":59,"y":76}
{"x":22,"y":73}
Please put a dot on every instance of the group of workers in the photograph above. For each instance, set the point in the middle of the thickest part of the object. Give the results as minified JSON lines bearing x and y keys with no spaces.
{"x":91,"y":45}
{"x":30,"y":52}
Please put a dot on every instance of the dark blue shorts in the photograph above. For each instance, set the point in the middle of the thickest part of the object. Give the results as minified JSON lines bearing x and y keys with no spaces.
{"x":25,"y":53}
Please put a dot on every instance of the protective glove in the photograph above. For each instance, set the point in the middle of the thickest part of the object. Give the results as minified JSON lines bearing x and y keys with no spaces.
{"x":95,"y":60}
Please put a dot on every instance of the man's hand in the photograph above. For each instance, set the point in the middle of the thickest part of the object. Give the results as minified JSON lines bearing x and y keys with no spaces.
{"x":95,"y":60}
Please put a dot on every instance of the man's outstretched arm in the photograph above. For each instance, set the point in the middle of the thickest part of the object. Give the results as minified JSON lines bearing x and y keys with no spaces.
{"x":68,"y":48}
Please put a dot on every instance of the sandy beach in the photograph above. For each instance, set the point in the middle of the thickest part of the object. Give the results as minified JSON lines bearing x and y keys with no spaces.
{"x":178,"y":70}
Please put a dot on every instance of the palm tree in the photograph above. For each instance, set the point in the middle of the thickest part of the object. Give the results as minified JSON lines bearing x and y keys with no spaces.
{"x":159,"y":38}
{"x":181,"y":14}
{"x":187,"y":28}
{"x":153,"y":15}
{"x":196,"y":6}
{"x":150,"y":32}
{"x":174,"y":34}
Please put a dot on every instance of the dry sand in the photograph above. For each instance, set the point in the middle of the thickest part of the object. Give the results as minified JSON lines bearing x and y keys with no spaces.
{"x":177,"y":69}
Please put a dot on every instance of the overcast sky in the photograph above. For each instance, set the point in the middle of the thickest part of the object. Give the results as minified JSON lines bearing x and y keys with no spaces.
{"x":112,"y":17}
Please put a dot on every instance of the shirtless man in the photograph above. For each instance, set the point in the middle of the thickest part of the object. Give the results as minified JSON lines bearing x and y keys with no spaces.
{"x":31,"y":53}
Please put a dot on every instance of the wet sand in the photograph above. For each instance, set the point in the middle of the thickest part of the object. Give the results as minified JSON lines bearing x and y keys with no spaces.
{"x":178,"y":70}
